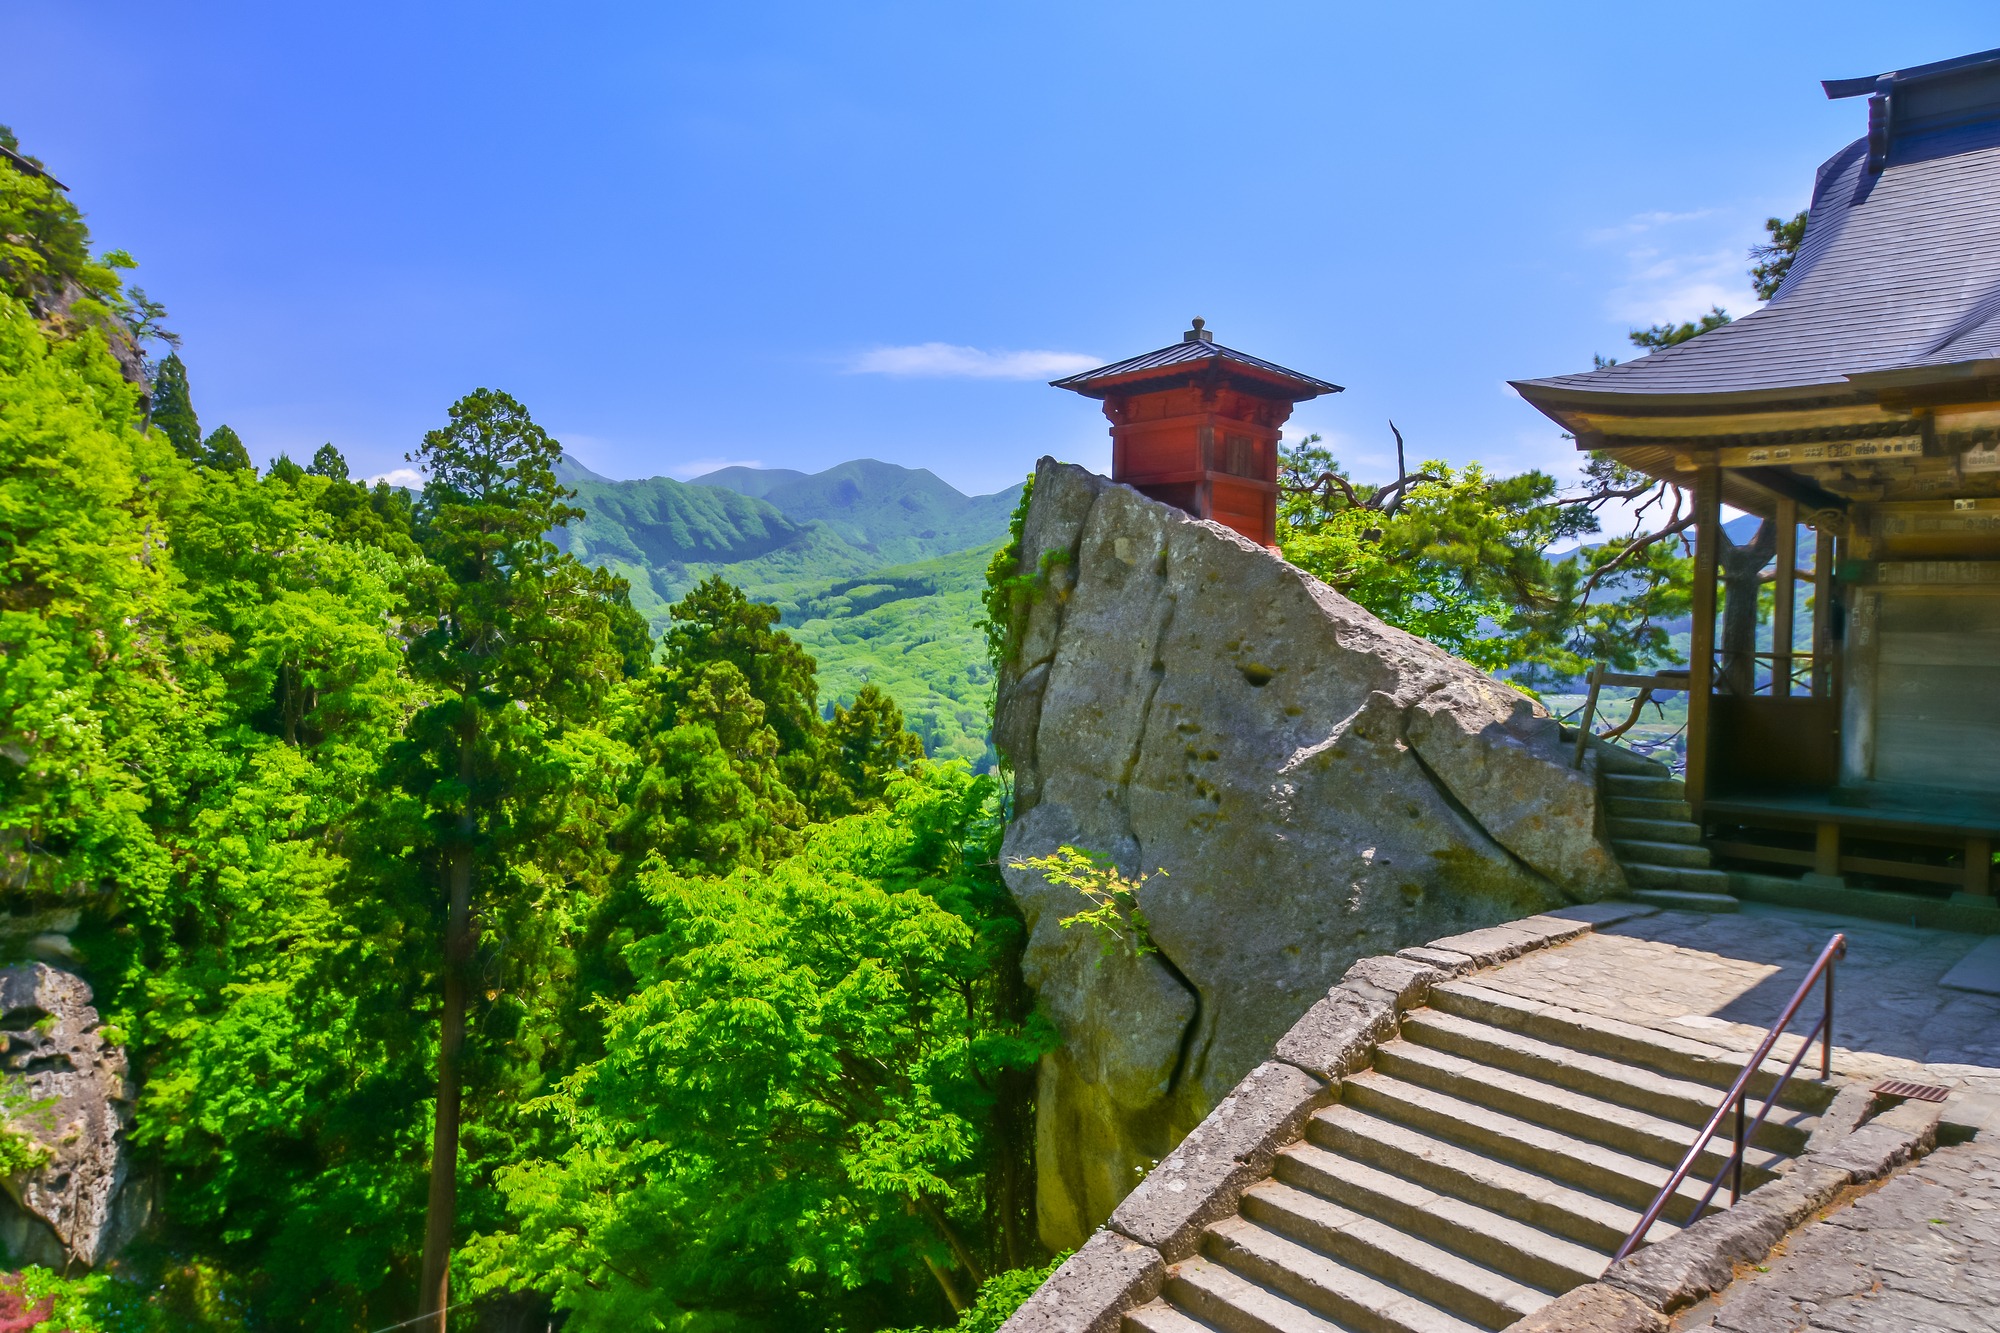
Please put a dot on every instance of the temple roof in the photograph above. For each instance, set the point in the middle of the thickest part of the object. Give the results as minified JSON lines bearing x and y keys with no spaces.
{"x":1898,"y":276}
{"x":1197,"y":351}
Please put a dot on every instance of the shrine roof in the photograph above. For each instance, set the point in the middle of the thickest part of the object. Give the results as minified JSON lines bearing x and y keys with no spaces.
{"x":1898,"y":275}
{"x":1195,"y":352}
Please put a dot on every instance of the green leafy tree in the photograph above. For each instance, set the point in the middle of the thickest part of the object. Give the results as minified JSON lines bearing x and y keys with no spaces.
{"x":715,"y":622}
{"x":709,"y":793}
{"x":865,"y":744}
{"x":515,"y":643}
{"x":795,"y":1116}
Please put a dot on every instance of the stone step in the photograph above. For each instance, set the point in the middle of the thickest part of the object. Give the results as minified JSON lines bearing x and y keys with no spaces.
{"x":1631,"y":851}
{"x":1232,"y":1303}
{"x":1641,"y":807}
{"x":1628,"y":1043}
{"x":1499,"y":1242}
{"x":1326,"y":1286}
{"x":1686,"y":900}
{"x":1617,"y":759}
{"x":1441,"y":1277}
{"x":1623,"y":1129}
{"x":1641,"y":785}
{"x":1576,"y":1162}
{"x":1655,"y":830}
{"x":1690,"y":879}
{"x":1490,"y":1183}
{"x":1688,"y":1103}
{"x":1161,"y":1317}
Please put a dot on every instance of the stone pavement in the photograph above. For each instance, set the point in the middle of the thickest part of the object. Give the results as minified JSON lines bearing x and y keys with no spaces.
{"x":1724,"y":978}
{"x":1921,"y":1254}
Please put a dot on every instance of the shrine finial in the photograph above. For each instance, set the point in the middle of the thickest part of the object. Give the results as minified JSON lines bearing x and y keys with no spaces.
{"x":1198,"y":334}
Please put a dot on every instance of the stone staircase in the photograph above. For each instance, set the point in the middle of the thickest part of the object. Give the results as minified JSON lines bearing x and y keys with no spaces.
{"x":1494,"y":1157}
{"x":1654,"y":835}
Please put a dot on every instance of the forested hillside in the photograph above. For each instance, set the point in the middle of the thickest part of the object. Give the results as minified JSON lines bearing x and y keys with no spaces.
{"x":475,"y":937}
{"x":876,"y":567}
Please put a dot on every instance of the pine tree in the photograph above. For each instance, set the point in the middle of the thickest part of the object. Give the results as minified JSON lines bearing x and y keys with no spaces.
{"x":329,"y":463}
{"x":224,"y":451}
{"x":173,"y":408}
{"x":517,"y":642}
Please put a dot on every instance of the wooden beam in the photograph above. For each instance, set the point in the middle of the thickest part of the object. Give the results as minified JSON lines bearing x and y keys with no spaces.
{"x":1701,"y":648}
{"x":1785,"y":592}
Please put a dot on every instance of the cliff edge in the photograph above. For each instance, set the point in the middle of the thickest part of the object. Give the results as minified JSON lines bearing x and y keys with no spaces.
{"x":1318,"y":786}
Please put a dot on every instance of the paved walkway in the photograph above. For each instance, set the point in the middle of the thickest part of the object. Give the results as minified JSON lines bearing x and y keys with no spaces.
{"x":1919,"y":1254}
{"x":1724,"y":978}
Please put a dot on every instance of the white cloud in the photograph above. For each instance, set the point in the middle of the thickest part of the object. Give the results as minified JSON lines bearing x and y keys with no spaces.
{"x":406,"y":477}
{"x":950,"y":361}
{"x":1678,"y":265}
{"x":701,"y":467}
{"x":1640,"y":223}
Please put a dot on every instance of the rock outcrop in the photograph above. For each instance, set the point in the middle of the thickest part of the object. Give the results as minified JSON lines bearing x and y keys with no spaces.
{"x":73,"y":1208}
{"x":1318,"y":786}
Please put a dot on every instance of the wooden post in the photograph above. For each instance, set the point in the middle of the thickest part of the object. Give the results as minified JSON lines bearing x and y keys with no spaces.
{"x":1822,"y":626}
{"x":1781,"y":609}
{"x":1979,"y":869}
{"x":1701,"y":648}
{"x":1583,"y":728}
{"x":1826,"y":850}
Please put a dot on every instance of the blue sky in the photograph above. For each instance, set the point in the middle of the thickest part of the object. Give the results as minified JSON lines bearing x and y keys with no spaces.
{"x":797,"y":234}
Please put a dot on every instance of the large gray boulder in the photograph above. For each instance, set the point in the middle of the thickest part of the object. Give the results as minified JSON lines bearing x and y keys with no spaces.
{"x":1318,"y":786}
{"x":71,"y":1096}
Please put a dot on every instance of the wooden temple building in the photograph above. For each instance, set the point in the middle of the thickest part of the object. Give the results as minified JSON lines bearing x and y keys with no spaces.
{"x":1196,"y":425}
{"x":1862,"y":401}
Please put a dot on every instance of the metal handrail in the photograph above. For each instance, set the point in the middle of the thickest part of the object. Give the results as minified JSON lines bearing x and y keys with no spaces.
{"x":1836,"y":949}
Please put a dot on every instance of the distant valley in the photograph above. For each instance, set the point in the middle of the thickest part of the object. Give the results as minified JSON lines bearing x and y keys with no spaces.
{"x":876,"y":568}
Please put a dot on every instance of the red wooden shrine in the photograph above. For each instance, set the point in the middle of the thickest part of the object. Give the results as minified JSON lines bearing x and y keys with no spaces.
{"x":1195,"y":425}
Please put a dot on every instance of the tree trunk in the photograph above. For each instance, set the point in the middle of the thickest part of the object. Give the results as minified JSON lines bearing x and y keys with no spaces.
{"x":1740,"y":568}
{"x":435,"y":1293}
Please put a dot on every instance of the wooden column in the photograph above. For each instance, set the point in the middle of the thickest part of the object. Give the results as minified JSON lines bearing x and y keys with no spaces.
{"x":1979,"y":869}
{"x":1701,"y":648}
{"x":1822,"y":625}
{"x":1785,"y":592}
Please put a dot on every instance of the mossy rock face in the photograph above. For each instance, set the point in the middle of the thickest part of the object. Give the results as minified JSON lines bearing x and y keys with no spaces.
{"x":1317,"y":785}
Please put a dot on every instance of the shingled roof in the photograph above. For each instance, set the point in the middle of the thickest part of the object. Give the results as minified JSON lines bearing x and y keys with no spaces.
{"x":1197,"y":351}
{"x":1899,"y":270}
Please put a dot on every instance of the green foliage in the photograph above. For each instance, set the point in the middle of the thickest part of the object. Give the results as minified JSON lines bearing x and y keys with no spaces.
{"x":1462,"y":559}
{"x":1773,"y":259}
{"x":865,"y":745}
{"x":173,"y":408}
{"x":1668,"y":335}
{"x":1002,"y":1294}
{"x":224,"y":451}
{"x":793,"y":1111}
{"x":1114,"y":914}
{"x":187,"y":1298}
{"x":325,"y":771}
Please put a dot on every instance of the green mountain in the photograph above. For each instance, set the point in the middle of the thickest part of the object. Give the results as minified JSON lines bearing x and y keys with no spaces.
{"x":898,"y":514}
{"x":877,"y":569}
{"x":913,"y":631}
